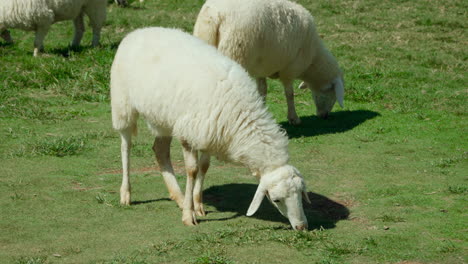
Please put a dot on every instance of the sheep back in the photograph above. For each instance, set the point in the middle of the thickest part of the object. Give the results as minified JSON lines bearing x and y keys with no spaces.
{"x":186,"y":88}
{"x":271,"y":36}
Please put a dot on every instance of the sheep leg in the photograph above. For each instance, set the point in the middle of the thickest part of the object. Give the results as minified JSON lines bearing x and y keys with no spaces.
{"x":97,"y":17}
{"x":204,"y":164}
{"x":5,"y":34}
{"x":289,"y":92}
{"x":121,"y":2}
{"x":126,"y":137}
{"x":162,"y":150}
{"x":78,"y":22}
{"x":41,"y":32}
{"x":191,"y":167}
{"x":262,"y":87}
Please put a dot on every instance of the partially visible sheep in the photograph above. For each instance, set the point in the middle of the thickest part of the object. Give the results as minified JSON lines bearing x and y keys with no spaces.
{"x":39,"y":15}
{"x":124,"y":2}
{"x":275,"y":39}
{"x":186,"y":89}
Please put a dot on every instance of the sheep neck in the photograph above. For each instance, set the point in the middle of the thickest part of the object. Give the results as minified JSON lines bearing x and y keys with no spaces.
{"x":260,"y":145}
{"x":323,"y":69}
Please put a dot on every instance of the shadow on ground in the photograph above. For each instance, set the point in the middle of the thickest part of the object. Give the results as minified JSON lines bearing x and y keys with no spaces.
{"x":337,"y":122}
{"x":136,"y":7}
{"x":5,"y":44}
{"x":67,"y":50}
{"x":150,"y":201}
{"x":236,"y":198}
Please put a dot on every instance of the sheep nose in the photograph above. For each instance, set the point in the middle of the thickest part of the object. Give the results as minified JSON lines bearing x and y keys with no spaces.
{"x":301,"y":227}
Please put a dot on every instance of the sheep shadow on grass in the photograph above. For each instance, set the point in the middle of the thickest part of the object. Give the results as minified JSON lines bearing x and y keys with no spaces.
{"x":150,"y":201}
{"x":236,"y":198}
{"x":337,"y":122}
{"x":5,"y":44}
{"x":67,"y":50}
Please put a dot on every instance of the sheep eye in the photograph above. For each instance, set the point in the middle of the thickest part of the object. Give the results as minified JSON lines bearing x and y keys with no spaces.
{"x":276,"y":201}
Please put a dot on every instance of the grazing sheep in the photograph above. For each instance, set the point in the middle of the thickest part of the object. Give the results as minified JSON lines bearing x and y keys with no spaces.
{"x":39,"y":15}
{"x":275,"y":39}
{"x":186,"y":89}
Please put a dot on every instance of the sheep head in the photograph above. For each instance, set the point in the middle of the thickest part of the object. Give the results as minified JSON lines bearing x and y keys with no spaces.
{"x":285,"y":188}
{"x":326,"y":96}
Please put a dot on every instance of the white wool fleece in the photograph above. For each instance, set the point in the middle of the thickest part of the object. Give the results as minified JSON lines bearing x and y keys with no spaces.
{"x":194,"y":93}
{"x":273,"y":39}
{"x":187,"y":89}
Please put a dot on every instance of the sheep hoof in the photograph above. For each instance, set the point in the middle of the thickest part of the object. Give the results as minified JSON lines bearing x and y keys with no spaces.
{"x":294,"y":121}
{"x":125,"y":202}
{"x":189,"y":218}
{"x":38,"y":51}
{"x":125,"y":198}
{"x":74,"y":46}
{"x":200,"y":211}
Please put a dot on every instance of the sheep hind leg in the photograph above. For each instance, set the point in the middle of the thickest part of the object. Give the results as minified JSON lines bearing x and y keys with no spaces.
{"x":191,"y":166}
{"x":162,"y":150}
{"x":289,"y":92}
{"x":78,"y":23}
{"x":125,"y":189}
{"x":41,"y":33}
{"x":204,"y":164}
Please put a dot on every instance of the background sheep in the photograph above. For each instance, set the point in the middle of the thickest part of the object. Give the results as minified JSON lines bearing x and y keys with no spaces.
{"x":187,"y":89}
{"x":276,"y":39}
{"x":39,"y":15}
{"x":124,"y":2}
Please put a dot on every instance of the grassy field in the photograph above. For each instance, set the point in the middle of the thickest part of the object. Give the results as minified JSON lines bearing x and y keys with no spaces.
{"x":388,"y":175}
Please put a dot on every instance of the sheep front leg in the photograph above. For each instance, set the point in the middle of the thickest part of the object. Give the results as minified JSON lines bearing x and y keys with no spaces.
{"x":289,"y":92}
{"x":162,"y":150}
{"x":262,"y":87}
{"x":41,"y":32}
{"x":204,"y":164}
{"x":97,"y":17}
{"x":126,"y":137}
{"x":79,"y":30}
{"x":191,"y":166}
{"x":5,"y":34}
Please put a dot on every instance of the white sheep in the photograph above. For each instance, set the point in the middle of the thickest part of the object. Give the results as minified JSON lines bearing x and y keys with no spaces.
{"x":275,"y":39}
{"x":186,"y":89}
{"x":39,"y":15}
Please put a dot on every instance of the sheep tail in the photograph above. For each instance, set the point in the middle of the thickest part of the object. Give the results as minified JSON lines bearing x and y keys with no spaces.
{"x":124,"y":120}
{"x":207,"y":25}
{"x":124,"y":116}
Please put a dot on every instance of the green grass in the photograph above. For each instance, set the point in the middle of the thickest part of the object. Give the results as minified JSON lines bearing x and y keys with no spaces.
{"x":387,"y":175}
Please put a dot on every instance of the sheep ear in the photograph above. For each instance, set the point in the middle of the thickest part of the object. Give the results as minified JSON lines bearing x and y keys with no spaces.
{"x":306,"y":197}
{"x":257,"y":200}
{"x":339,"y":91}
